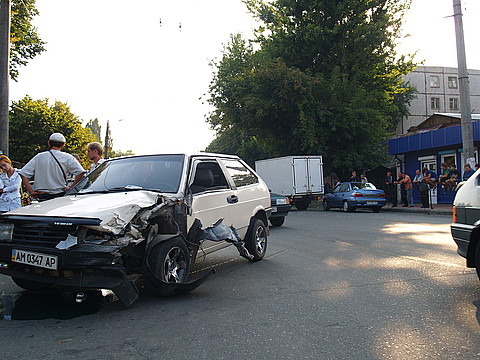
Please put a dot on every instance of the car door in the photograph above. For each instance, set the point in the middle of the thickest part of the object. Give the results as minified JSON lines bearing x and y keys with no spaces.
{"x":250,"y":192}
{"x":211,"y":198}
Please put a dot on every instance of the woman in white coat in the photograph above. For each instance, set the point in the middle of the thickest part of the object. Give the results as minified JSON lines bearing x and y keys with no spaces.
{"x":10,"y":182}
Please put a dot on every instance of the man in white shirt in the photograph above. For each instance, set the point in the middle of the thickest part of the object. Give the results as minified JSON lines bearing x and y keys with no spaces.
{"x":94,"y":153}
{"x":50,"y":170}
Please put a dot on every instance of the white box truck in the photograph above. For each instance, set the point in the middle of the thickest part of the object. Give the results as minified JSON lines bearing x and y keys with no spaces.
{"x":300,"y":178}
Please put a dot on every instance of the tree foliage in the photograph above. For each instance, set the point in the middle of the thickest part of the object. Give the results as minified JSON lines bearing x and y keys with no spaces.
{"x":96,"y":128}
{"x":320,"y":77}
{"x":25,"y":43}
{"x":33,"y":121}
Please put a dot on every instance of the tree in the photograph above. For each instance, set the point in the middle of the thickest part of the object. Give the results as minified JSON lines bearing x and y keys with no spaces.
{"x":33,"y":121}
{"x":324,"y":78}
{"x":96,"y":128}
{"x":25,"y":43}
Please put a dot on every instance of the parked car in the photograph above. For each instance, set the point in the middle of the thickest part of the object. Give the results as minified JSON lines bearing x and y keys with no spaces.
{"x":280,"y":208}
{"x":352,"y":195}
{"x":138,"y":219}
{"x":466,"y":225}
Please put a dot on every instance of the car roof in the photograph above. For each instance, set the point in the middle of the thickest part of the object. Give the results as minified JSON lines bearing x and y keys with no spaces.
{"x":188,"y":154}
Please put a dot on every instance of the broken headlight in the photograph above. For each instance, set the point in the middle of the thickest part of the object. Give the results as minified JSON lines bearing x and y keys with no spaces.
{"x":6,"y":232}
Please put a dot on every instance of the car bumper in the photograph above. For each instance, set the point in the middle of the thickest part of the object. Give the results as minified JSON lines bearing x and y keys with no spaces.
{"x":280,"y":210}
{"x":372,"y":203}
{"x":461,"y":234}
{"x":82,"y":267}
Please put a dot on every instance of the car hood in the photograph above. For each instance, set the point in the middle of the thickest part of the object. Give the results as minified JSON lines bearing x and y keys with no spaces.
{"x":115,"y":210}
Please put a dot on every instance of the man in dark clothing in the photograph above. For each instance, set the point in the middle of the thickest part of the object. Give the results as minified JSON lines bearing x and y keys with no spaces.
{"x":390,"y":189}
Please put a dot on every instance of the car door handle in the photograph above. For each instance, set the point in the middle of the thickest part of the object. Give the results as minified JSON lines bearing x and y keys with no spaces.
{"x":232,"y":199}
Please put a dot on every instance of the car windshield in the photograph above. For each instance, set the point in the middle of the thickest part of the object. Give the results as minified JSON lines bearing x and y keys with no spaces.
{"x":154,"y":172}
{"x":359,"y":186}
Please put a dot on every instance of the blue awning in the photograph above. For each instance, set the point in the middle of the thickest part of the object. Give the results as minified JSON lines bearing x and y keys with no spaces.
{"x":449,"y":136}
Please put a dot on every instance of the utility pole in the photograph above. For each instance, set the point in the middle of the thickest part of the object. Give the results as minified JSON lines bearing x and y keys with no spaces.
{"x":465,"y":107}
{"x":4,"y":76}
{"x":107,"y":139}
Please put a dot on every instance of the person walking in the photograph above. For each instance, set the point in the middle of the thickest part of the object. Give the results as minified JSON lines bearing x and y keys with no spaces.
{"x":50,"y":170}
{"x":390,"y":189}
{"x":10,"y":179}
{"x":95,"y":152}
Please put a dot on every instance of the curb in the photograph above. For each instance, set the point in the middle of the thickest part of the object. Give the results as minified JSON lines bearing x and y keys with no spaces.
{"x":428,"y":211}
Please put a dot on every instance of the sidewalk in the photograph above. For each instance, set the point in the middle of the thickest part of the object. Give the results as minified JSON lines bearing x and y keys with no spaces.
{"x":438,"y":209}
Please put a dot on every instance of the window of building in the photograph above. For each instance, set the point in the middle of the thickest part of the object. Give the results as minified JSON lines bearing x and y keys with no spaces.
{"x":435,"y":103}
{"x":452,"y":82}
{"x":434,"y":81}
{"x":449,"y":159}
{"x":453,"y":103}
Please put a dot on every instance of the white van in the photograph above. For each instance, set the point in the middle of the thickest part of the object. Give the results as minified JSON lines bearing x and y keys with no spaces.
{"x":466,"y":221}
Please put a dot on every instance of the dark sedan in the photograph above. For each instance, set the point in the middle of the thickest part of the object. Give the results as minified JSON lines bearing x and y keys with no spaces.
{"x":280,"y":208}
{"x":350,"y":196}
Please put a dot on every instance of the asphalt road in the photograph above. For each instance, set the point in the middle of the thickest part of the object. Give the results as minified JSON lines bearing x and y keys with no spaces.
{"x":334,"y":286}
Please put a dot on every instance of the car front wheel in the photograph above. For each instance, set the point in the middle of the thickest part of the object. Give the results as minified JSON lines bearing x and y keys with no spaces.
{"x":256,"y":240}
{"x":326,"y":207}
{"x":347,"y":207}
{"x":277,"y":221}
{"x":168,"y":262}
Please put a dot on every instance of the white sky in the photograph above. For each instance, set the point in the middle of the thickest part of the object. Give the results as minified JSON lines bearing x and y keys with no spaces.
{"x":111,"y":60}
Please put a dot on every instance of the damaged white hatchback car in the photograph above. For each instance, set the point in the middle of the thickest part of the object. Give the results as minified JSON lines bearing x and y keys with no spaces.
{"x":138,"y":220}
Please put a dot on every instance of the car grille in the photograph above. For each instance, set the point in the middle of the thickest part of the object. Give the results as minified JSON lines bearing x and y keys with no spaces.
{"x":44,"y":236}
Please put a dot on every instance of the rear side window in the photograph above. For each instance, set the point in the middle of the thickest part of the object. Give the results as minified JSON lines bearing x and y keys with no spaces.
{"x":240,"y":174}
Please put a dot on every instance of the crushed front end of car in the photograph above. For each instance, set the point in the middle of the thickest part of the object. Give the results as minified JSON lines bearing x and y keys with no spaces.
{"x":40,"y":248}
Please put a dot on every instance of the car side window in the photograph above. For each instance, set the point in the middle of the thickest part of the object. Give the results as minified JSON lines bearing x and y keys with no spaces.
{"x":337,"y":189}
{"x":240,"y":174}
{"x":344,"y":188}
{"x":208,"y":176}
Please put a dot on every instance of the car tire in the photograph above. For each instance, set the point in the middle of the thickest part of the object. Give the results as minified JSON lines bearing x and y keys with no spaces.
{"x":168,"y":261}
{"x":376,"y":210}
{"x":326,"y":207}
{"x":277,"y":221}
{"x":346,"y":207}
{"x":31,"y":285}
{"x":301,"y":205}
{"x":256,"y":240}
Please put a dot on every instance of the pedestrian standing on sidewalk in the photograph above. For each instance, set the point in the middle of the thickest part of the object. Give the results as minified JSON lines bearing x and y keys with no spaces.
{"x":50,"y":170}
{"x":422,"y":188}
{"x":354,"y":177}
{"x":391,"y":189}
{"x":10,"y":191}
{"x":405,"y":180}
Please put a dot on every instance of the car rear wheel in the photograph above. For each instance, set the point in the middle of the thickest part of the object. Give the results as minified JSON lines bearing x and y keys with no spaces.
{"x":169,"y":262}
{"x":277,"y":221}
{"x":31,"y":285}
{"x":301,"y":205}
{"x":347,"y":207}
{"x":256,"y":240}
{"x":326,"y":207}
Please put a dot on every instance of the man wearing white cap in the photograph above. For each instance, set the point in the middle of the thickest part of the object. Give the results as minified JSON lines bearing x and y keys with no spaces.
{"x":50,"y":170}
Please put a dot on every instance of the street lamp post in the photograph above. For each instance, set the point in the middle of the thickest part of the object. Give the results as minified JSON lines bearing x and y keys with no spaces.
{"x":465,"y":107}
{"x":4,"y":75}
